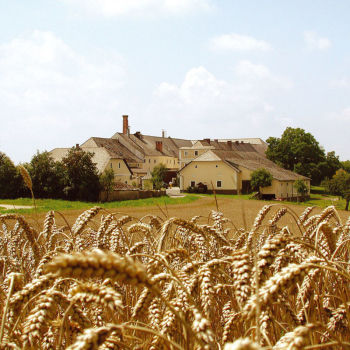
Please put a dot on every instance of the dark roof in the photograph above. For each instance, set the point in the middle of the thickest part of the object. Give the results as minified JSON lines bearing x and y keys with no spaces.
{"x":116,"y":149}
{"x":254,"y":160}
{"x":146,"y":144}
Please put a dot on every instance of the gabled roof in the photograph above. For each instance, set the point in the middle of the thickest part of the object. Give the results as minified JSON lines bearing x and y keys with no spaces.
{"x":211,"y":156}
{"x":246,"y":156}
{"x":114,"y":148}
{"x":253,"y":160}
{"x":146,"y":145}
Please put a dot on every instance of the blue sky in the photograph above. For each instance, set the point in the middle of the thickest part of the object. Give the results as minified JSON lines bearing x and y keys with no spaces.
{"x":69,"y":69}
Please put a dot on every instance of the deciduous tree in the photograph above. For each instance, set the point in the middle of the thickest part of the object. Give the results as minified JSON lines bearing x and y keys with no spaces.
{"x":81,"y":178}
{"x":158,"y":174}
{"x":260,"y":178}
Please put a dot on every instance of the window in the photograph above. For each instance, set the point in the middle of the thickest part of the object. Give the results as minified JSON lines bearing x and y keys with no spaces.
{"x":216,"y":166}
{"x":218,"y":183}
{"x":193,"y":183}
{"x":149,"y":160}
{"x":155,"y":161}
{"x":196,"y":153}
{"x":195,"y":166}
{"x":119,"y":165}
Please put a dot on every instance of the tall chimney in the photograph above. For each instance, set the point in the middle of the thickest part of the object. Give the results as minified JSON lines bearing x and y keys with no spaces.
{"x":159,"y":146}
{"x":125,"y":125}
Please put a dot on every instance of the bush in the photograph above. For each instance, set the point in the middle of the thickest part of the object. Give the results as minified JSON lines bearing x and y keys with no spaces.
{"x":301,"y":188}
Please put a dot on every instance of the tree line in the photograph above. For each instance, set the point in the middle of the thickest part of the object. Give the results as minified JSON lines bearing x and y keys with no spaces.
{"x":75,"y":177}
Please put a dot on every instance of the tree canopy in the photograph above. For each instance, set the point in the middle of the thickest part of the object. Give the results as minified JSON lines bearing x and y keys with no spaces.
{"x":47,"y":176}
{"x":81,"y":178}
{"x":298,"y":150}
{"x":260,"y":178}
{"x":158,"y":174}
{"x":340,"y":185}
{"x":11,"y":183}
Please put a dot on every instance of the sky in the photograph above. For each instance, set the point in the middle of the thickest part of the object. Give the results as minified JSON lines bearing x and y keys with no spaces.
{"x":69,"y":70}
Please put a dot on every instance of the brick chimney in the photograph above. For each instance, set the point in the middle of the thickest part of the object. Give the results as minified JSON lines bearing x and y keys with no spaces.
{"x":125,"y":125}
{"x":229,"y":144}
{"x":159,"y":146}
{"x":206,"y":140}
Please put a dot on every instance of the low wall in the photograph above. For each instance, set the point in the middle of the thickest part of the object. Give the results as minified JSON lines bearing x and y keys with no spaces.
{"x":123,"y":195}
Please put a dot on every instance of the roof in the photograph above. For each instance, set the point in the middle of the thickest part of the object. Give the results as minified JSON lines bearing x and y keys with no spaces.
{"x":114,"y":148}
{"x":245,"y":155}
{"x":145,"y":145}
{"x":253,"y":160}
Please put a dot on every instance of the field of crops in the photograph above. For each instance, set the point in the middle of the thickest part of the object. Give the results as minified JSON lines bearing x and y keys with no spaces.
{"x":114,"y":281}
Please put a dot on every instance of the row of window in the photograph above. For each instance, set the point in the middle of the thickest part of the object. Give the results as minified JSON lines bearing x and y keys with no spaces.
{"x":112,"y":165}
{"x":195,"y":153}
{"x":168,"y":161}
{"x":218,"y":183}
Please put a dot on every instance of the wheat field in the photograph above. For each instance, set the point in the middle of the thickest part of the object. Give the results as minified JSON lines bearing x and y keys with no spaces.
{"x":113,"y":281}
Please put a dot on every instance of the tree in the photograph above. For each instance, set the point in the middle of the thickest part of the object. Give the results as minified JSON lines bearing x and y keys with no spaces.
{"x":298,"y":151}
{"x":346,"y":165}
{"x":80,"y":175}
{"x":158,"y":174}
{"x":301,"y":188}
{"x":340,"y":185}
{"x":11,"y":183}
{"x":47,"y":176}
{"x":260,"y":178}
{"x":107,"y":181}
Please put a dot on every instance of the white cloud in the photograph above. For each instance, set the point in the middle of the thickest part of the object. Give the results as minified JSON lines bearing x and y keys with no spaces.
{"x":50,"y":94}
{"x":112,"y":8}
{"x":237,"y":42}
{"x":220,"y":108}
{"x":343,"y":115}
{"x":315,"y":42}
{"x":340,"y":83}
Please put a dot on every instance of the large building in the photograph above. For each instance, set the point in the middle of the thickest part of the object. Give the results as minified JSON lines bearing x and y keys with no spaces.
{"x":221,"y":165}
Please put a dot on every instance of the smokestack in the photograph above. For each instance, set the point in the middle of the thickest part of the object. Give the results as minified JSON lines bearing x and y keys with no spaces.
{"x":159,"y":146}
{"x":125,"y":125}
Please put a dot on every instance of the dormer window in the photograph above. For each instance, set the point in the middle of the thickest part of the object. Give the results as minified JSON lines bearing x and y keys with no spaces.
{"x":196,"y":153}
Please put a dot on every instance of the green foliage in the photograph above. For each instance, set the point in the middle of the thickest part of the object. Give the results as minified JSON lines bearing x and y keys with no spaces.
{"x":158,"y":174}
{"x":346,"y":165}
{"x":47,"y":176}
{"x":299,"y":151}
{"x":81,"y":179}
{"x":260,"y":178}
{"x":107,"y":181}
{"x":340,"y":185}
{"x":11,"y":184}
{"x":301,"y":188}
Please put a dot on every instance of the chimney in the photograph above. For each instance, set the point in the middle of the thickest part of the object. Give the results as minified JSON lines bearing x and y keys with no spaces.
{"x":77,"y":145}
{"x":229,"y":144}
{"x":159,"y":146}
{"x":206,"y":140}
{"x":138,"y":135}
{"x":125,"y":125}
{"x":163,"y":133}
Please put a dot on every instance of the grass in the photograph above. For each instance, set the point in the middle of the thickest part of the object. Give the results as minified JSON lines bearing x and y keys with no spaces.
{"x":45,"y":205}
{"x":318,"y":198}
